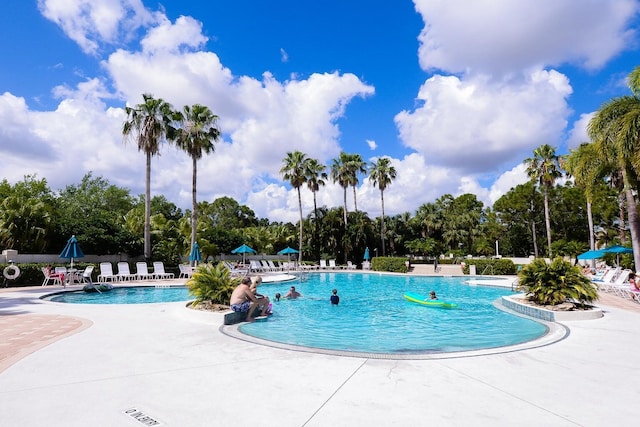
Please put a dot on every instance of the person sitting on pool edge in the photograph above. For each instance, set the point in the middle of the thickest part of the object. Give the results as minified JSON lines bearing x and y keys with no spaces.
{"x":262,"y":299}
{"x":292,"y":294}
{"x":335,"y":299}
{"x":243,"y":300}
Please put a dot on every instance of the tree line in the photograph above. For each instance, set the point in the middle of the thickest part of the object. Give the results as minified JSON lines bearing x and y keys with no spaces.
{"x":597,"y":206}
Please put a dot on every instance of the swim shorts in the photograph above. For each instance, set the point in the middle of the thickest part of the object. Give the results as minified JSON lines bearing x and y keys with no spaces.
{"x":242,"y":306}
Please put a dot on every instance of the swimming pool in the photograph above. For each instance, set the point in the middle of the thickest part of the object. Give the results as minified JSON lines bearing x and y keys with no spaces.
{"x":125,"y":295}
{"x":374,"y":317}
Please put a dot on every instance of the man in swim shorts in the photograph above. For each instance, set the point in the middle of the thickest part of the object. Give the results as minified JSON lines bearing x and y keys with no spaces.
{"x":242,"y":299}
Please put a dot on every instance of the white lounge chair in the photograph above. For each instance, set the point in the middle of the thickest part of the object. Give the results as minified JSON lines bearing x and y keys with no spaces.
{"x":186,"y":271}
{"x":265,"y":265}
{"x":123,"y":271}
{"x":332,"y":265}
{"x":323,"y":264}
{"x":86,"y":274}
{"x":158,"y":271}
{"x":273,"y":266}
{"x":254,"y":266}
{"x":106,"y":272}
{"x":56,"y":278}
{"x":351,"y":266}
{"x":142,"y":271}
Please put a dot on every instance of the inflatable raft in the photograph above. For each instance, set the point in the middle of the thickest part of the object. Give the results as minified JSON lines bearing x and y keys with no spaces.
{"x":424,"y":300}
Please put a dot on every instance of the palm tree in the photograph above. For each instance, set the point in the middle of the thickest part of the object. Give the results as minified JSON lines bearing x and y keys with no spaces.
{"x":149,"y":125}
{"x":544,"y":167}
{"x":294,"y":170}
{"x":382,"y":173}
{"x":340,"y":174}
{"x":196,"y":134}
{"x":316,"y":177}
{"x":588,"y":168}
{"x":616,"y":127}
{"x":355,"y":165}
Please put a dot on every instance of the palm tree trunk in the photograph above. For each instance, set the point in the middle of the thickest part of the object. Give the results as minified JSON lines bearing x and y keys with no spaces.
{"x":194,"y":213}
{"x":355,"y":200}
{"x":547,"y":220}
{"x":535,"y":241}
{"x":345,"y":206}
{"x":316,"y":244}
{"x":382,"y":223}
{"x":634,"y":225}
{"x":621,"y":226}
{"x":300,"y":237}
{"x":147,"y":209}
{"x":592,"y":239}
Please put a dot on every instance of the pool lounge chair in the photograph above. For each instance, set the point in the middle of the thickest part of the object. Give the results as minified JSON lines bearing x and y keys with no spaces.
{"x":86,"y":274}
{"x":51,"y":277}
{"x":351,"y":266}
{"x":142,"y":271}
{"x":186,"y":271}
{"x":124,"y":273}
{"x":158,"y":271}
{"x":323,"y":264}
{"x":332,"y":265}
{"x":106,"y":272}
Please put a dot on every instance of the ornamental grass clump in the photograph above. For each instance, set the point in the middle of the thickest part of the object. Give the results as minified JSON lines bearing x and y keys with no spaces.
{"x":556,"y":283}
{"x":212,"y":283}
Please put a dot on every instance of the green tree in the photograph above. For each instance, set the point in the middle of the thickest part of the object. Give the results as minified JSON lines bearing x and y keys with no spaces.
{"x":341,"y":174}
{"x":197,"y":131}
{"x":616,"y":128}
{"x":316,"y":177}
{"x":355,"y":166}
{"x":382,"y":174}
{"x":544,"y":168}
{"x":149,"y":125}
{"x":295,"y":171}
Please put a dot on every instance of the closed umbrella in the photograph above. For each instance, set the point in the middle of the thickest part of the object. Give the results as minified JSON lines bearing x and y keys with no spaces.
{"x":366,"y":256}
{"x":194,"y":255}
{"x":72,"y":250}
{"x":244,"y":249}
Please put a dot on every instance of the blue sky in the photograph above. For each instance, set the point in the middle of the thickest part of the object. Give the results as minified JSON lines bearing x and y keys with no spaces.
{"x":457,"y":94}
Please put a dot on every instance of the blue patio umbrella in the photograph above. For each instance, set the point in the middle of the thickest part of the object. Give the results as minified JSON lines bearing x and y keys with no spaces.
{"x":591,"y":254}
{"x":366,"y":256}
{"x":288,"y":251}
{"x":72,"y":250}
{"x":194,"y":255}
{"x":244,"y":249}
{"x":617,"y":249}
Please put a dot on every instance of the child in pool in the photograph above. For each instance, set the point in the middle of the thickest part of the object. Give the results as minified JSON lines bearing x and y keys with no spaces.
{"x":335,"y":299}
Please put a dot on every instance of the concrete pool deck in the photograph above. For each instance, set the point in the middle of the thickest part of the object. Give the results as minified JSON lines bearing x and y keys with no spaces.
{"x":119,"y":365}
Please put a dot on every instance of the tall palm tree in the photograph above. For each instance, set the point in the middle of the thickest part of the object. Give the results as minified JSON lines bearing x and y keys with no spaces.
{"x":382,"y":174}
{"x":544,"y":167}
{"x":316,"y":177}
{"x":149,"y":125}
{"x":294,"y":170}
{"x":355,"y":166}
{"x":340,"y":174}
{"x":616,"y":127}
{"x":588,"y":168}
{"x":196,"y":134}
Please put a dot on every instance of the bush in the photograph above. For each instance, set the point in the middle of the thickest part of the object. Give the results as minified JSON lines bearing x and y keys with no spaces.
{"x":394,"y":265}
{"x":212,"y":283}
{"x":491,"y":266}
{"x":555,"y":283}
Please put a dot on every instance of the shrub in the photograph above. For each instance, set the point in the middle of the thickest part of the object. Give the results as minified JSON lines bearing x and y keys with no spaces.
{"x":395,"y":265}
{"x":555,"y":283}
{"x":491,"y":266}
{"x":212,"y":283}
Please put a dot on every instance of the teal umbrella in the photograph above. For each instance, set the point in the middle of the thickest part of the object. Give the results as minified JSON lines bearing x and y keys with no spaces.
{"x":288,"y":251}
{"x":244,"y":249}
{"x":591,"y":255}
{"x":194,"y":255}
{"x":617,"y":249}
{"x":72,"y":250}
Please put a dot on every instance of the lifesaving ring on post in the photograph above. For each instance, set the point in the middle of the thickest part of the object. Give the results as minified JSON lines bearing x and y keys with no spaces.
{"x":11,"y":272}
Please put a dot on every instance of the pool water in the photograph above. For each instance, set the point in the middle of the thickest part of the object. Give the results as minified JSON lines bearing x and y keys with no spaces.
{"x":126,"y":295}
{"x":373,"y":316}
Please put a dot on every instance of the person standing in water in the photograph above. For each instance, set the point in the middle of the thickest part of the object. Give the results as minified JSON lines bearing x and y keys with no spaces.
{"x":335,"y":299}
